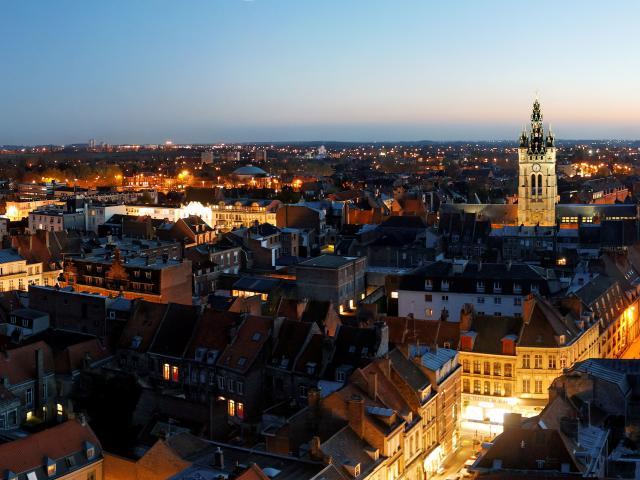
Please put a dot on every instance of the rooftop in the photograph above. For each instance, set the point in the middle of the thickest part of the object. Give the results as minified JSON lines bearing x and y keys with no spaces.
{"x":328,"y":261}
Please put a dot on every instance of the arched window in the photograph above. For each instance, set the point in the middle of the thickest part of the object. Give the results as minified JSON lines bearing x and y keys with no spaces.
{"x":539,"y":184}
{"x":533,"y":184}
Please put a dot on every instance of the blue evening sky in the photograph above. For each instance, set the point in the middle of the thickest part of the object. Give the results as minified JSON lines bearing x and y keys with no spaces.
{"x":143,"y":71}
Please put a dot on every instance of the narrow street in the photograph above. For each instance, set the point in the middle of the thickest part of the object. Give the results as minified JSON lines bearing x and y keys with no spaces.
{"x":454,"y":463}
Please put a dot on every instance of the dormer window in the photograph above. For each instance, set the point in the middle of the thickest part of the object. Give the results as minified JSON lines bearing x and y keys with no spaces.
{"x":517,"y":288}
{"x":51,"y":467}
{"x":480,"y":286}
{"x":497,"y":287}
{"x":90,"y":450}
{"x":428,"y":284}
{"x":200,"y":354}
{"x":311,"y":368}
{"x":445,"y":285}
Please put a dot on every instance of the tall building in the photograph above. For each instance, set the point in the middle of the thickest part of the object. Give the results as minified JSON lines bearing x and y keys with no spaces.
{"x":537,"y":187}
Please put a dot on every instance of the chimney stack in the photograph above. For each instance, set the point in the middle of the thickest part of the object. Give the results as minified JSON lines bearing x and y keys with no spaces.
{"x":218,"y":458}
{"x":355,"y":412}
{"x":373,"y":385}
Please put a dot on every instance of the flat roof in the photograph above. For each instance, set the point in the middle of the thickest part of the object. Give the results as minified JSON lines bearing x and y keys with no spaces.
{"x":328,"y":261}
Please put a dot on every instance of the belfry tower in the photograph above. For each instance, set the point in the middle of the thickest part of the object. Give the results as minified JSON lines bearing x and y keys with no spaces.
{"x":537,"y":186}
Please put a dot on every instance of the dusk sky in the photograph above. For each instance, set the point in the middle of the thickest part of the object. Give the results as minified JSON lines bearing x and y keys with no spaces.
{"x":144,"y":71}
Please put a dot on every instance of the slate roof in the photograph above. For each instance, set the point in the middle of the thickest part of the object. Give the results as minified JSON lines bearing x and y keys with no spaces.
{"x":593,"y":289}
{"x":539,"y":444}
{"x":544,"y":324}
{"x":316,"y":312}
{"x":212,"y":331}
{"x":414,"y":377}
{"x":311,"y":353}
{"x":143,"y":323}
{"x":289,"y":342}
{"x":245,"y":348}
{"x":172,"y":338}
{"x":256,"y":284}
{"x":491,"y":330}
{"x":346,"y":447}
{"x":410,"y":222}
{"x":9,"y":255}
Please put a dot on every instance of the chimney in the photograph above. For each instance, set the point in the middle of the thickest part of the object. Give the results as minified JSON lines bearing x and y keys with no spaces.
{"x":373,"y":385}
{"x":355,"y":412}
{"x":39,"y":360}
{"x":466,"y":317}
{"x":315,"y":451}
{"x":385,"y":366}
{"x":218,"y":458}
{"x":313,"y":398}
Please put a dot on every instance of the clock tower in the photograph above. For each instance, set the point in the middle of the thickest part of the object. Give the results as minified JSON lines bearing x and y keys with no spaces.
{"x":537,"y":187}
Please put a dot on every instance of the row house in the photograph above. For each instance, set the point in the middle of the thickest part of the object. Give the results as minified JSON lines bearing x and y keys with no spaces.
{"x":240,"y":370}
{"x":616,"y":311}
{"x":28,"y":384}
{"x":508,"y":363}
{"x":441,"y":289}
{"x":290,"y":342}
{"x":191,"y":231}
{"x":163,"y":280}
{"x":333,"y":278}
{"x":209,"y":262}
{"x":17,"y":273}
{"x":264,"y":243}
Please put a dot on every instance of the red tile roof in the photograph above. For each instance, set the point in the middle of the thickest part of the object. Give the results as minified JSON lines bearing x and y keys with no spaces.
{"x":212,"y":331}
{"x":247,"y":345}
{"x":19,"y":364}
{"x":56,"y":442}
{"x":144,"y":322}
{"x":72,"y":358}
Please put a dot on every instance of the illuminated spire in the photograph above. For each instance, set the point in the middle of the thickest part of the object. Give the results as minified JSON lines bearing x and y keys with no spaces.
{"x":536,"y":143}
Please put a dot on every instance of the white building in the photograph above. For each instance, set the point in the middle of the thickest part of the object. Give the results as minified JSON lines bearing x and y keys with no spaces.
{"x":17,"y":274}
{"x":442,"y":288}
{"x":97,"y":214}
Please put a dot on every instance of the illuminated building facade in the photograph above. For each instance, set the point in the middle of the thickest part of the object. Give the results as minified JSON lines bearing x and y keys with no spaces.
{"x":537,"y":188}
{"x":508,"y":363}
{"x":223,"y":215}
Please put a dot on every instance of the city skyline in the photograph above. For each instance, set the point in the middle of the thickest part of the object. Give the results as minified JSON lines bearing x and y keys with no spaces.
{"x":208,"y":72}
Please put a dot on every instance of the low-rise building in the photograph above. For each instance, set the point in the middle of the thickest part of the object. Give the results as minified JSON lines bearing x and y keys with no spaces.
{"x":441,"y":289}
{"x":160,"y":281}
{"x":18,"y":274}
{"x":333,"y":278}
{"x":55,"y":220}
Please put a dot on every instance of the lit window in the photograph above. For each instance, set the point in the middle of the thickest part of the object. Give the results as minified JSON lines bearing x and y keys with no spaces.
{"x":175,"y":374}
{"x":231,"y":408}
{"x":394,"y":294}
{"x":166,"y":371}
{"x":51,"y":469}
{"x":59,"y":409}
{"x":240,"y":410}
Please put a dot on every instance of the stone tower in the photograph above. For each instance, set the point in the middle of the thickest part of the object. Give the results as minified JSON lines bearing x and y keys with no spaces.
{"x":537,"y":187}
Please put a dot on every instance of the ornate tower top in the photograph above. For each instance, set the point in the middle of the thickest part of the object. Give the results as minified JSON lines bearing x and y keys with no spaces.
{"x":536,"y":115}
{"x":536,"y":142}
